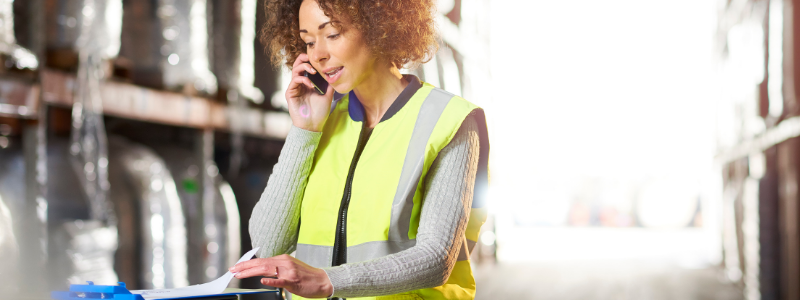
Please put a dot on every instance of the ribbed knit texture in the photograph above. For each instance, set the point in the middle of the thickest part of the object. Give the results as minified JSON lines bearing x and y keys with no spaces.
{"x":275,"y":221}
{"x":445,"y":211}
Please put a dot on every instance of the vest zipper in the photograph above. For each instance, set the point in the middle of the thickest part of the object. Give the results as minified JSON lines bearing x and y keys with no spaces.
{"x":340,"y":243}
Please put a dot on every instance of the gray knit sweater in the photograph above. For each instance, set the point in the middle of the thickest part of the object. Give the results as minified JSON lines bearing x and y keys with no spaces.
{"x":445,"y":212}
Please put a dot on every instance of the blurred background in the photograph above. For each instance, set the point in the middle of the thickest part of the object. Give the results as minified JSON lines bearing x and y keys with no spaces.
{"x":641,"y":149}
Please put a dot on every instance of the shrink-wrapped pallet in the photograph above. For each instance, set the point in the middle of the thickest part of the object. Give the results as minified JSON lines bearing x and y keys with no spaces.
{"x":214,"y":234}
{"x":233,"y":36}
{"x":66,"y":20}
{"x":152,"y":228}
{"x":167,"y":44}
{"x":13,"y":54}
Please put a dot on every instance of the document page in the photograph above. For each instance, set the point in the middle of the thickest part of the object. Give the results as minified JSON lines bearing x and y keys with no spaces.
{"x":217,"y":286}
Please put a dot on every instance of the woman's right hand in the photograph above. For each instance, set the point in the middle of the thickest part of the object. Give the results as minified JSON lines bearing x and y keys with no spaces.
{"x":284,"y":271}
{"x":308,"y":109}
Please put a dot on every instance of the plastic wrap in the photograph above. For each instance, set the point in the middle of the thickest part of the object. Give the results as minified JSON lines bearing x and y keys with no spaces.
{"x":21,"y":58}
{"x":100,"y":19}
{"x":152,"y":230}
{"x":12,"y":197}
{"x":233,"y":231}
{"x":80,"y":249}
{"x":214,"y":239}
{"x":98,"y":39}
{"x":9,"y":248}
{"x":88,"y":147}
{"x":142,"y":43}
{"x":233,"y":35}
{"x":185,"y":32}
{"x":249,"y":186}
{"x":225,"y":46}
{"x":8,"y":242}
{"x":89,"y":246}
{"x":92,"y":29}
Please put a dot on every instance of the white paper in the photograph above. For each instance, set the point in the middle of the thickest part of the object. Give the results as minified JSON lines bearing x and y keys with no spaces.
{"x":215,"y":287}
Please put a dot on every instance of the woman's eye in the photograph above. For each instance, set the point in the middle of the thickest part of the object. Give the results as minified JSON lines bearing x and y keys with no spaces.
{"x":333,"y":36}
{"x":309,"y":45}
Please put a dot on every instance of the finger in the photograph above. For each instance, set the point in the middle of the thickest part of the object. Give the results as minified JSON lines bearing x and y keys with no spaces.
{"x":297,"y":89}
{"x":304,"y":67}
{"x":261,"y":270}
{"x":258,"y":263}
{"x":301,"y":80}
{"x":253,"y":263}
{"x":302,"y":58}
{"x":278,"y":283}
{"x":245,"y":265}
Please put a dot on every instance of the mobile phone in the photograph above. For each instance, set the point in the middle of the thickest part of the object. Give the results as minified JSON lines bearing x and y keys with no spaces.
{"x":320,"y":84}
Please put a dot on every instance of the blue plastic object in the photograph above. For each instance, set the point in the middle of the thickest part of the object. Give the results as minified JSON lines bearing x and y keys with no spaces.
{"x":92,"y":291}
{"x":120,"y":292}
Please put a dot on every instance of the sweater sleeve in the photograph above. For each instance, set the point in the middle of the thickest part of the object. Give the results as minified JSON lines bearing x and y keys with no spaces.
{"x":447,"y":200}
{"x":275,"y":220}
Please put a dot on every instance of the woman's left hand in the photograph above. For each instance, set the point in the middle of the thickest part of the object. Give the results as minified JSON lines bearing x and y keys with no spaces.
{"x":289,"y":273}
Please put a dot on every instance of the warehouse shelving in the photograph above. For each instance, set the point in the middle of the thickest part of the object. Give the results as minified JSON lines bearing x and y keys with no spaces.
{"x":30,"y":101}
{"x":22,"y":99}
{"x":783,"y":131}
{"x":757,"y":159}
{"x":18,"y":98}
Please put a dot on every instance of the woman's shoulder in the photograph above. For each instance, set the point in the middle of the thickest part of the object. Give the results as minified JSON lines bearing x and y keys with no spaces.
{"x":429,"y":89}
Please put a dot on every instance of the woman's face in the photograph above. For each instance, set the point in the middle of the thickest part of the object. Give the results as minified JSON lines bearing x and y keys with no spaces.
{"x":338,"y":52}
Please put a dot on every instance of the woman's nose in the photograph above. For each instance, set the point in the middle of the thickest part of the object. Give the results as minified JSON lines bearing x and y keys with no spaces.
{"x":320,"y":53}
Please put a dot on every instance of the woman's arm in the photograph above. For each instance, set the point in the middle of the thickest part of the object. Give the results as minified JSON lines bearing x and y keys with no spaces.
{"x":447,"y":201}
{"x":276,"y":216}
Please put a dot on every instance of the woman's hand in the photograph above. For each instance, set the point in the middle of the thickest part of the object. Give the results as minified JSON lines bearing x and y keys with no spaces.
{"x":309,"y":110}
{"x":289,"y":273}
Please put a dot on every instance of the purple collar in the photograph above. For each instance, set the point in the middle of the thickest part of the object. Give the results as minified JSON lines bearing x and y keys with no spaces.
{"x":356,"y":109}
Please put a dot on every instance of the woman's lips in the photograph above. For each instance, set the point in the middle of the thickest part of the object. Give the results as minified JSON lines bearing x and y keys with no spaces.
{"x":337,"y":72}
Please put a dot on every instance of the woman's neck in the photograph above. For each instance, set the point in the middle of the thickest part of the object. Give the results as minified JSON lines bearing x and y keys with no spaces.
{"x":378,"y":91}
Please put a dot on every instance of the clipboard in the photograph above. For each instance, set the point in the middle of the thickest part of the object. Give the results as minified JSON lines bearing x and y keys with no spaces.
{"x":121,"y":292}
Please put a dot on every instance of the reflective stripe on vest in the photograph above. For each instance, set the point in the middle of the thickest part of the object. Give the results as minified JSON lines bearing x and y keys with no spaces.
{"x":385,"y":205}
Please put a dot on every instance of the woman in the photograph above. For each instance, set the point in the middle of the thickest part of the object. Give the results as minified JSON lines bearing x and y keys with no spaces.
{"x":373,"y":189}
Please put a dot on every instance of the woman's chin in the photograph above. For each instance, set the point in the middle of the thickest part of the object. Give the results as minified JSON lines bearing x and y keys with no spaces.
{"x":342,"y":89}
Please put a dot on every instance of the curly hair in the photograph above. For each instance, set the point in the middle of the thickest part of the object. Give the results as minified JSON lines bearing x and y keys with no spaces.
{"x":401,"y":32}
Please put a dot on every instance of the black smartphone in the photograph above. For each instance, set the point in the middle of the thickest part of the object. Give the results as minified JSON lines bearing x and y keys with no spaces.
{"x":320,"y":84}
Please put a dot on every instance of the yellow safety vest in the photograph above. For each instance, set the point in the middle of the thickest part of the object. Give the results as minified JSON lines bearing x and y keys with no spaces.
{"x":387,"y":186}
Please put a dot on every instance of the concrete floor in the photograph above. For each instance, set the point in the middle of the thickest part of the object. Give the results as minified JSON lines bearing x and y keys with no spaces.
{"x":601,"y":279}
